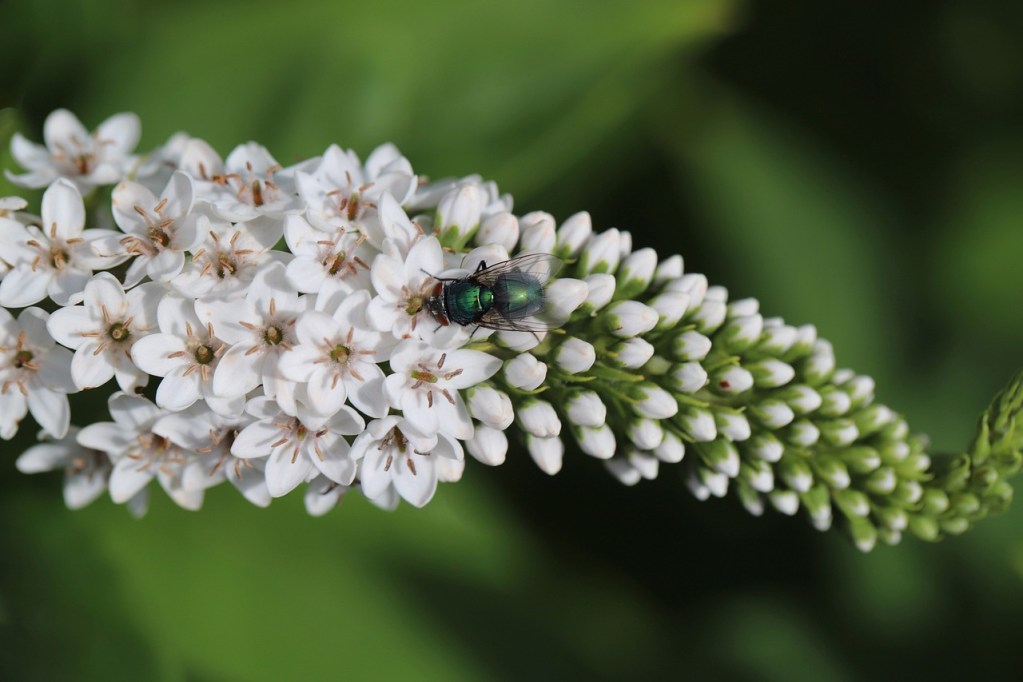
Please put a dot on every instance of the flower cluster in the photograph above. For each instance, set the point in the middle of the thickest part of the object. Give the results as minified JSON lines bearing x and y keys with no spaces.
{"x":286,"y":313}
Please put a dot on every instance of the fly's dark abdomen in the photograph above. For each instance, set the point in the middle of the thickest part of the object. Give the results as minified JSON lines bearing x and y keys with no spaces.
{"x":518,"y":295}
{"x":467,"y":301}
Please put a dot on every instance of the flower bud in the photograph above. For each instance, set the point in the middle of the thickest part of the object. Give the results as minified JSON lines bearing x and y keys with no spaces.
{"x":802,"y":399}
{"x":645,"y":434}
{"x":696,"y":486}
{"x":741,"y":333}
{"x":635,"y":273}
{"x":817,"y":502}
{"x":773,"y":414}
{"x":924,"y":527}
{"x":709,"y":316}
{"x":585,"y":408}
{"x":625,"y":319}
{"x":860,"y":390}
{"x":601,"y":289}
{"x":777,"y":338}
{"x":490,"y":406}
{"x":820,"y":365}
{"x":722,"y":456}
{"x":771,"y":373}
{"x":488,"y":445}
{"x":574,"y":355}
{"x":715,"y":481}
{"x":882,"y":481}
{"x":744,"y":307}
{"x":601,"y":253}
{"x":671,"y":450}
{"x":670,"y":307}
{"x":853,"y":503}
{"x":839,"y":432}
{"x":934,"y":502}
{"x":573,"y":234}
{"x":861,"y":459}
{"x":731,"y":380}
{"x":784,"y":501}
{"x":564,"y":296}
{"x":500,"y":229}
{"x":668,"y":269}
{"x":693,"y":284}
{"x":691,"y":345}
{"x":631,"y":353}
{"x":646,"y":464}
{"x":833,"y":471}
{"x":806,"y":339}
{"x":525,"y":371}
{"x":834,"y":401}
{"x":751,"y":501}
{"x":871,"y":418}
{"x":537,"y":417}
{"x":458,"y":215}
{"x":796,"y":473}
{"x":765,"y":446}
{"x":622,"y":469}
{"x":758,"y":474}
{"x":652,"y":401}
{"x":864,"y":534}
{"x":698,"y":423}
{"x":733,"y":426}
{"x":546,"y":452}
{"x":537,"y":232}
{"x":803,"y":433}
{"x":689,"y":377}
{"x":597,"y":442}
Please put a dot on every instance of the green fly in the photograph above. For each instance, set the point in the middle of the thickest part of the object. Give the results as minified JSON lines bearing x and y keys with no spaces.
{"x":505,"y":296}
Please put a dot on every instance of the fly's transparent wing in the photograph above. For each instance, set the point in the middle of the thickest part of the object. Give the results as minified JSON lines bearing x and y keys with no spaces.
{"x":543,"y":266}
{"x":492,"y":319}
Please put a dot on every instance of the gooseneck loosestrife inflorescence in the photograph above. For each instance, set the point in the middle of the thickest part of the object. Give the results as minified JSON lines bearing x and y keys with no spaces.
{"x":286,"y":313}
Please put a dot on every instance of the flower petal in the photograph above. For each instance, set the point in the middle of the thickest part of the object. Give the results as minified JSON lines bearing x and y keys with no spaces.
{"x":63,"y":211}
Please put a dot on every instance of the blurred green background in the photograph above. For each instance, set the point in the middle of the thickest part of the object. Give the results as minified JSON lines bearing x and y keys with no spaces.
{"x":857,"y":165}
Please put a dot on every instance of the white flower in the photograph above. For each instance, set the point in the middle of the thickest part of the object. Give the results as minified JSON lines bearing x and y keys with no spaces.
{"x":327,"y":262}
{"x":322,"y":495}
{"x":259,"y":329}
{"x":159,"y":231}
{"x":227,"y":258}
{"x":139,"y":452}
{"x":601,"y":253}
{"x":336,"y":356}
{"x":85,"y":471}
{"x":248,"y":185}
{"x":210,"y":436}
{"x":397,"y":458}
{"x":403,"y":287}
{"x":297,"y":451}
{"x":689,"y":377}
{"x":691,"y":345}
{"x":425,"y":383}
{"x":103,"y":330}
{"x":185,"y":353}
{"x":87,"y":160}
{"x":35,"y":374}
{"x":630,"y":318}
{"x":55,"y":260}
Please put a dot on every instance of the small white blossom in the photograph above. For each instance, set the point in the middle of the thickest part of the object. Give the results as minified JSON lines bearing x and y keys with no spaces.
{"x":403,"y":287}
{"x":247,"y":186}
{"x":225,"y":260}
{"x":103,"y":330}
{"x":85,"y":471}
{"x":327,"y":262}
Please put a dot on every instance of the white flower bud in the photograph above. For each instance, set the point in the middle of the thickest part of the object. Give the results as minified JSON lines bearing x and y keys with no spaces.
{"x":734,"y":427}
{"x":773,"y":414}
{"x":732,"y":380}
{"x":645,"y":434}
{"x":537,"y":232}
{"x":696,"y":486}
{"x":784,"y":501}
{"x":458,"y":214}
{"x":519,"y":340}
{"x":777,"y":337}
{"x":668,"y":269}
{"x":698,"y":423}
{"x":860,"y":389}
{"x":744,"y":307}
{"x":671,"y":450}
{"x":802,"y":399}
{"x":622,"y":469}
{"x":715,"y":481}
{"x":691,"y":345}
{"x":585,"y":408}
{"x":840,"y":432}
{"x":804,"y":433}
{"x":632,"y":353}
{"x":575,"y":355}
{"x":645,"y":463}
{"x":624,"y":243}
{"x":710,"y":315}
{"x":630,"y":318}
{"x":759,"y":475}
{"x":882,"y":481}
{"x":752,"y":502}
{"x":546,"y":452}
{"x":806,"y":337}
{"x":670,"y":307}
{"x":574,"y":233}
{"x":821,"y":363}
{"x":500,"y":229}
{"x":771,"y":373}
{"x":564,"y":296}
{"x":741,"y":332}
{"x":833,"y":472}
{"x":635,"y":272}
{"x":653,"y":402}
{"x":488,"y":445}
{"x":835,"y":401}
{"x":601,"y":253}
{"x":796,"y":473}
{"x":601,"y":291}
{"x":843,"y":375}
{"x":689,"y":377}
{"x":722,"y":456}
{"x":538,"y":418}
{"x":765,"y":446}
{"x":716,"y":293}
{"x":525,"y":371}
{"x":490,"y":406}
{"x":693,"y":284}
{"x":597,"y":442}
